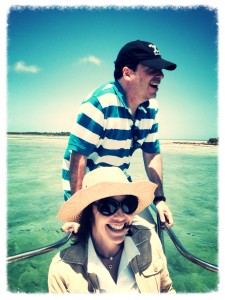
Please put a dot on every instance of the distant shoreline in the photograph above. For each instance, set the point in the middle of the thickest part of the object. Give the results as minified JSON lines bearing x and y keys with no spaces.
{"x":40,"y":133}
{"x":196,"y":143}
{"x":210,"y":142}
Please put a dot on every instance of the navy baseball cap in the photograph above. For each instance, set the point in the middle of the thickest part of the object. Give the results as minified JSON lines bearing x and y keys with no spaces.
{"x":145,"y":53}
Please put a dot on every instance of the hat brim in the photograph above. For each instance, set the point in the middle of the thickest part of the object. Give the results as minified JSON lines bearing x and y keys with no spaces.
{"x":71,"y":210}
{"x":159,"y":63}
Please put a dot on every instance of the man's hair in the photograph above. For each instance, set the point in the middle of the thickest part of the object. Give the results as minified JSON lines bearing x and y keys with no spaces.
{"x":118,"y":70}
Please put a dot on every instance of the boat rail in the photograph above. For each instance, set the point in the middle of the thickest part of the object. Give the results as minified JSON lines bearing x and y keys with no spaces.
{"x":204,"y":264}
{"x":41,"y":250}
{"x":160,"y":228}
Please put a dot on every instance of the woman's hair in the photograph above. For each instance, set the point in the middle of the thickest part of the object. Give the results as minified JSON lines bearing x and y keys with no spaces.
{"x":86,"y":222}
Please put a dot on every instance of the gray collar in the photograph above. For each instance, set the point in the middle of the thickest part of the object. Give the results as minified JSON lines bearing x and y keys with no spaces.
{"x":78,"y":253}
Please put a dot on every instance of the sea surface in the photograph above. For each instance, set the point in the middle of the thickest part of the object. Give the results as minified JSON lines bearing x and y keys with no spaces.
{"x":34,"y":195}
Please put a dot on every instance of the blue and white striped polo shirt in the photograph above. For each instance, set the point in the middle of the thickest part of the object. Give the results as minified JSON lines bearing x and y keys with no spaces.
{"x":106,"y":133}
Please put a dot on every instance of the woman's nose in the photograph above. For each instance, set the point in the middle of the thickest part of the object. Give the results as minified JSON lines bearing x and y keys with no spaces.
{"x":119,"y":214}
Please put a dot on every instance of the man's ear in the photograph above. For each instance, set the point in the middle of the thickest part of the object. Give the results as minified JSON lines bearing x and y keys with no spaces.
{"x":126,"y":72}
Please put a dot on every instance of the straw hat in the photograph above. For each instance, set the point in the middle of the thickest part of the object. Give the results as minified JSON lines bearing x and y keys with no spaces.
{"x":105,"y":182}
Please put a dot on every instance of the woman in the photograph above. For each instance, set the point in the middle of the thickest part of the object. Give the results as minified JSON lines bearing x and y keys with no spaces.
{"x":109,"y":254}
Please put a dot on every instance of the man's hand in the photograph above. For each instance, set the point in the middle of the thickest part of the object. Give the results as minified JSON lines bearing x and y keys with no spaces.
{"x":164,"y":213}
{"x":70,"y":226}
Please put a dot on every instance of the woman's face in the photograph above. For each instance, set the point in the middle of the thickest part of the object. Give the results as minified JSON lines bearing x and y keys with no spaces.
{"x":109,"y":230}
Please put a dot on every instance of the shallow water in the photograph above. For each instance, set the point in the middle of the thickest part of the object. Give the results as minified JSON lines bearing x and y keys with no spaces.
{"x":35,"y":195}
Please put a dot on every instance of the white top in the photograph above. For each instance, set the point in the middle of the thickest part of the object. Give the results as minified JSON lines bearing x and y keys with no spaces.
{"x":126,"y":281}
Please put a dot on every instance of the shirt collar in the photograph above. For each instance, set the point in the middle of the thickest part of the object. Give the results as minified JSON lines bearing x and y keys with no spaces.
{"x":93,"y":259}
{"x":120,"y":93}
{"x":75,"y":254}
{"x":129,"y":252}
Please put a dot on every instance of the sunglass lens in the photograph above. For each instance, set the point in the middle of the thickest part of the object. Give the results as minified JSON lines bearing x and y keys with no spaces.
{"x":107,"y":206}
{"x":129,"y":204}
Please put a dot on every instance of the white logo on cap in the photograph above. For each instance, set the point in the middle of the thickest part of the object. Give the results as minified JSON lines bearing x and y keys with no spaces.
{"x":156,"y":51}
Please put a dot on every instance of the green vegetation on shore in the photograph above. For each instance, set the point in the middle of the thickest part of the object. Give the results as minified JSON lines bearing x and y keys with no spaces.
{"x":211,"y":141}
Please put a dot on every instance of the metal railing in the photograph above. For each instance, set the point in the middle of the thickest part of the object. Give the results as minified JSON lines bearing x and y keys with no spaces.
{"x":201,"y":263}
{"x":38,"y":251}
{"x":160,"y":227}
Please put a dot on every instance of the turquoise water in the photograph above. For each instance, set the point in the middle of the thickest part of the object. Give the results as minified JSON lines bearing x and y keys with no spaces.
{"x":35,"y":195}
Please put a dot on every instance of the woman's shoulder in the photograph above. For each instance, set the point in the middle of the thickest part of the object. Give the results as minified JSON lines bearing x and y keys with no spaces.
{"x":142,"y":223}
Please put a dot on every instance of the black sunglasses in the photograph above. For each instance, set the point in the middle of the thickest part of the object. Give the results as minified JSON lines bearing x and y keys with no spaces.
{"x":109,"y":206}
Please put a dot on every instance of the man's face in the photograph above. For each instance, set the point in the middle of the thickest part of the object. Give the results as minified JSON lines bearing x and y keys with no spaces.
{"x":145,"y":82}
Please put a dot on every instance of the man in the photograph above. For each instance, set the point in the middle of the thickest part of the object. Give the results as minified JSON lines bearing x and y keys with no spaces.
{"x":119,"y":117}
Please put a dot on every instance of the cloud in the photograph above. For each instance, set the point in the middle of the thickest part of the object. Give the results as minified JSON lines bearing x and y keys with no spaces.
{"x":21,"y":66}
{"x":90,"y":59}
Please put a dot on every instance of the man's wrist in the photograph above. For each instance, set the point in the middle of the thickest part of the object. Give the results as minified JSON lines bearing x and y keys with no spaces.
{"x":159,"y":198}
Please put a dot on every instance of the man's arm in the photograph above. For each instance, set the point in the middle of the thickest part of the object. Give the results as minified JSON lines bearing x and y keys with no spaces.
{"x":78,"y":164}
{"x":153,"y":167}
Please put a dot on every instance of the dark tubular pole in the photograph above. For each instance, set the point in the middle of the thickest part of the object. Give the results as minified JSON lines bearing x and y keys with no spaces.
{"x":161,"y":227}
{"x":39,"y":251}
{"x":188,"y":255}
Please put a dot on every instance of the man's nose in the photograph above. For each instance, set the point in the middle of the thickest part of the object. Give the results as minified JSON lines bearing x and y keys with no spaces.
{"x":160,"y":74}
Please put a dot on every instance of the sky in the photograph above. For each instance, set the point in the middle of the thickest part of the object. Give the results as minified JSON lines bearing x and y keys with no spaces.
{"x":56,"y":55}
